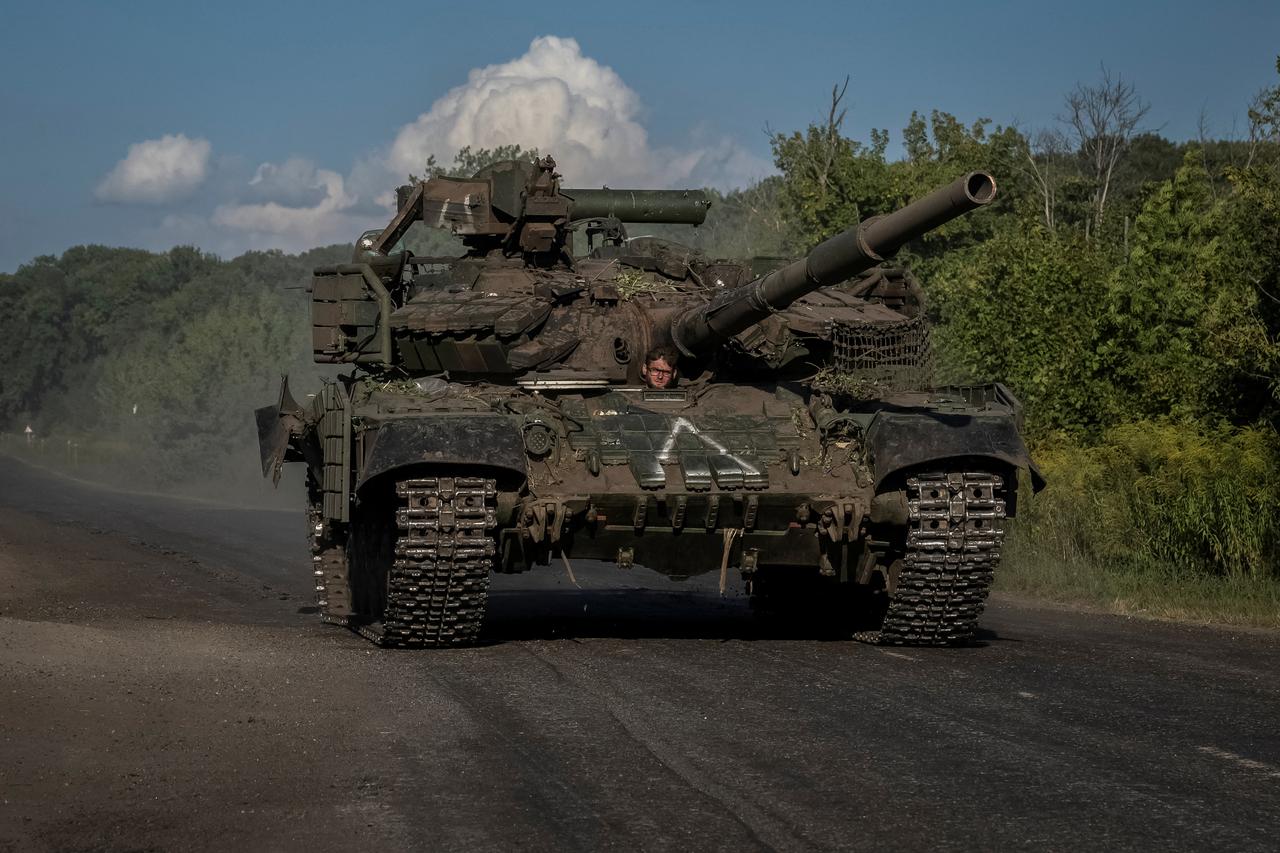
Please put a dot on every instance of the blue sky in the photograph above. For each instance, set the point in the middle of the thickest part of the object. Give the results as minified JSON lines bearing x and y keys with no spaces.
{"x":286,"y":124}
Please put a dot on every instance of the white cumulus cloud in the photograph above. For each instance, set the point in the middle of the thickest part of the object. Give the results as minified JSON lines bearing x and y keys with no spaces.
{"x":287,"y":217}
{"x":552,"y":98}
{"x":157,"y":171}
{"x":295,"y":182}
{"x":568,"y":105}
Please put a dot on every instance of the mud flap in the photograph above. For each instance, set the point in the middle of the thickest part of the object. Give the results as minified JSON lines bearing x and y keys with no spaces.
{"x":276,"y":426}
{"x":480,"y":440}
{"x":898,"y":440}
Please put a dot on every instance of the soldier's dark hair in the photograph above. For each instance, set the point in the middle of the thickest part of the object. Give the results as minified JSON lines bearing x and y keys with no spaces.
{"x":666,"y":352}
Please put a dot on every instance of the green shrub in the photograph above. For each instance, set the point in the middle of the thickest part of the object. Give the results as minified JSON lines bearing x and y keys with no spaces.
{"x":1175,"y":495}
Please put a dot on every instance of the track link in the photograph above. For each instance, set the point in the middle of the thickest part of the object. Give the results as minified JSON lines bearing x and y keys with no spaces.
{"x":330,"y":568}
{"x":438,"y":582}
{"x":952,"y":549}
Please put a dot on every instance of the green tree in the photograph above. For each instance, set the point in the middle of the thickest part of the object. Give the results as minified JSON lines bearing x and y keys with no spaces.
{"x":830,"y":181}
{"x":1025,"y":307}
{"x":1185,"y":333}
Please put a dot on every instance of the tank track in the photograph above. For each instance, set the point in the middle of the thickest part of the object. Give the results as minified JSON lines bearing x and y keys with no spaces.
{"x":329,"y":565}
{"x":953,"y":546}
{"x":438,"y":581}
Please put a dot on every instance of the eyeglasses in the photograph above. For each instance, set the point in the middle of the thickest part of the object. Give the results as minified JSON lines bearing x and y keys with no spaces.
{"x":660,"y":371}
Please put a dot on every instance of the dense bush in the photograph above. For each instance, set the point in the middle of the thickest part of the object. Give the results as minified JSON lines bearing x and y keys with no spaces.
{"x":1179,"y":494}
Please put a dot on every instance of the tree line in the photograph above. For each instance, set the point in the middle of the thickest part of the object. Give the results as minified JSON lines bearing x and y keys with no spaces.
{"x":162,"y":355}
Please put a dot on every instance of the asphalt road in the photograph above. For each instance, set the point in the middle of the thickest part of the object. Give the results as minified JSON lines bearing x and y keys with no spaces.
{"x":164,"y":687}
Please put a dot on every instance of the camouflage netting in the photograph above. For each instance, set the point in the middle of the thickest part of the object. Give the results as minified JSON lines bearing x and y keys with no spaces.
{"x":868,"y":359}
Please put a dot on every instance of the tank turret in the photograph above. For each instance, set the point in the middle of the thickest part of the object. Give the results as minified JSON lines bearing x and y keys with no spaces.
{"x":855,"y":250}
{"x":517,"y":205}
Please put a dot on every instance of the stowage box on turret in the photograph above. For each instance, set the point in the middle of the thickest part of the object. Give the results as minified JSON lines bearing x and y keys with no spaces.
{"x":562,"y":391}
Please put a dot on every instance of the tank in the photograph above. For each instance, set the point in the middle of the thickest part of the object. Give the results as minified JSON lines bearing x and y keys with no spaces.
{"x":564,"y":392}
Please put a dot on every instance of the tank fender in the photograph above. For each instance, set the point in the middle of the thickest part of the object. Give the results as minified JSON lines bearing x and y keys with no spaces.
{"x":898,"y":440}
{"x":489,"y":440}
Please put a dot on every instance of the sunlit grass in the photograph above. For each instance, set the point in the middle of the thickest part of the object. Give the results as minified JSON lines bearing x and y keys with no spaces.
{"x":1163,"y":520}
{"x":1138,"y":588}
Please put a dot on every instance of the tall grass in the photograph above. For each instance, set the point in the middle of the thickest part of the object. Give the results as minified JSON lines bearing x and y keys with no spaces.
{"x":1175,"y":519}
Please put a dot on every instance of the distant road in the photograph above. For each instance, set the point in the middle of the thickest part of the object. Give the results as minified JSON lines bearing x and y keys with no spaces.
{"x":161,"y":690}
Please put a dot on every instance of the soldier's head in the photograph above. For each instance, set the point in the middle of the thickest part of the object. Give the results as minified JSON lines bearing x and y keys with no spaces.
{"x":659,"y":369}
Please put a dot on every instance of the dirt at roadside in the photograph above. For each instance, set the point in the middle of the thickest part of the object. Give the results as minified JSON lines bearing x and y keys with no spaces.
{"x":146,"y":703}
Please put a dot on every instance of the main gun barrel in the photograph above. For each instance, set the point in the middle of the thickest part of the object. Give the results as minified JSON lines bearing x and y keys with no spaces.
{"x":832,"y":261}
{"x":670,"y":206}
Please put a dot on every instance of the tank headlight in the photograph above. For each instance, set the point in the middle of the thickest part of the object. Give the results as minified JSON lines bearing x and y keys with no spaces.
{"x":539,"y":439}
